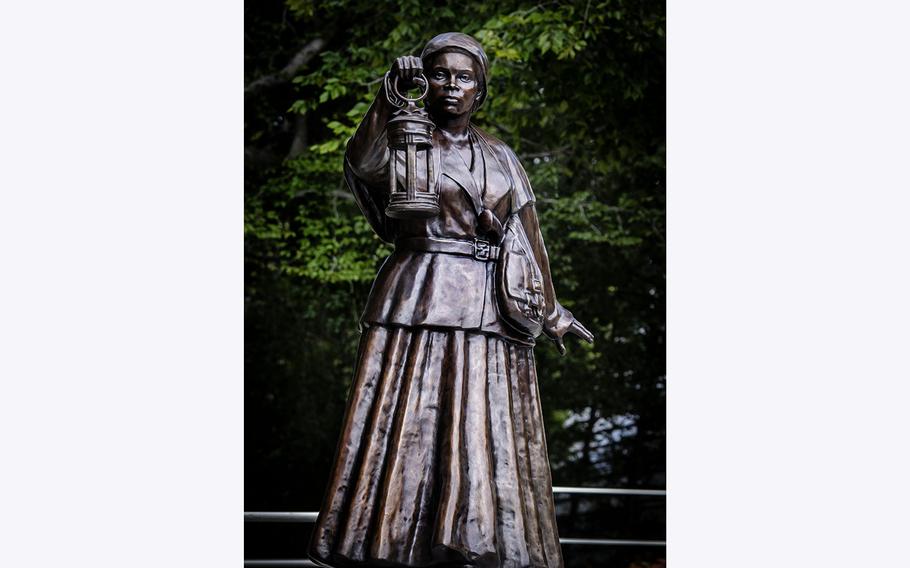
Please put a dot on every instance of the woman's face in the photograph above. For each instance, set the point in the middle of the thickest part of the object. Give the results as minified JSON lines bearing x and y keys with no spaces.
{"x":454,"y":85}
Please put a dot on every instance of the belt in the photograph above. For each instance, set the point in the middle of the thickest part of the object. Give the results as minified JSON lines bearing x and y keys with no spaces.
{"x":479,"y":249}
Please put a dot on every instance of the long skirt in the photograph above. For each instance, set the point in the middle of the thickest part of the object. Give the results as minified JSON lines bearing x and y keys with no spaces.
{"x":442,"y":459}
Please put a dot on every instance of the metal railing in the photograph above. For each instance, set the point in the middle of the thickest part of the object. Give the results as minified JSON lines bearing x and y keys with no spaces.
{"x":310,"y":517}
{"x":277,"y":563}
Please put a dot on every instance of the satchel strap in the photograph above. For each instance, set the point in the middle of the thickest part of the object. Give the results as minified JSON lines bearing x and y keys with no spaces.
{"x":479,"y":249}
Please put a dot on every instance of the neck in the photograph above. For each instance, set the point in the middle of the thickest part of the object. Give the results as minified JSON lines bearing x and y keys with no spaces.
{"x":455,"y":126}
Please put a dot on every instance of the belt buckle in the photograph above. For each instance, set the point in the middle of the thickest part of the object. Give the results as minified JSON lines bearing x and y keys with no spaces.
{"x":481,"y":249}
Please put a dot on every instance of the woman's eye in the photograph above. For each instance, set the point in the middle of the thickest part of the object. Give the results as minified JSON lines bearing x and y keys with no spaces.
{"x":439,"y":75}
{"x":464,"y":78}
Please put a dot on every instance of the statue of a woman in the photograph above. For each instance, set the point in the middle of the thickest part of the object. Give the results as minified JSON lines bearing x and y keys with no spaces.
{"x":442,"y":459}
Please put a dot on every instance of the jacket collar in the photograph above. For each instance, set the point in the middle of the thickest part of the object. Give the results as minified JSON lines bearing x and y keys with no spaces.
{"x":455,"y":168}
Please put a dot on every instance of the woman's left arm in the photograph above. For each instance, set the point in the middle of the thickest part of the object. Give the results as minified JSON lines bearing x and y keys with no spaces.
{"x":559,"y":321}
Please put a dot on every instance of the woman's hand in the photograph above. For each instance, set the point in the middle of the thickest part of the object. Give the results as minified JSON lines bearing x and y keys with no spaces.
{"x":406,"y":68}
{"x":577,"y":329}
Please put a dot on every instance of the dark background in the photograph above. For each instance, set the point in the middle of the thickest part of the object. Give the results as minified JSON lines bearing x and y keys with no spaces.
{"x":578,"y":90}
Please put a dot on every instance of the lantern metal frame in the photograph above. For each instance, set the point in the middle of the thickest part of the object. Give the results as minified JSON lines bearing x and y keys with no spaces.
{"x":410,"y":130}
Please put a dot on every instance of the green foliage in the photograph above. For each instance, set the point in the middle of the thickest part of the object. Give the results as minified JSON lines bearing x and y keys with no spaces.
{"x":309,"y":227}
{"x":577,"y":90}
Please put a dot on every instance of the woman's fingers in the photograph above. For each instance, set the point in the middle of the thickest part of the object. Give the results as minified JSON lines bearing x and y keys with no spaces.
{"x":575,"y":328}
{"x":581,"y":331}
{"x":415,"y":66}
{"x":403,"y":67}
{"x":560,"y":345}
{"x":407,"y":67}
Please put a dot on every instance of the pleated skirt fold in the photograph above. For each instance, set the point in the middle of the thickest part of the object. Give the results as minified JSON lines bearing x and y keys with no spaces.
{"x":442,"y":459}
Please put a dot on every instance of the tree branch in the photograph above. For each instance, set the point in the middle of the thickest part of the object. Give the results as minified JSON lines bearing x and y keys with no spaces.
{"x":298,"y":62}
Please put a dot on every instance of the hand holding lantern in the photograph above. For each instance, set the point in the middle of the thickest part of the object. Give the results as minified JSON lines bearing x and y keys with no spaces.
{"x":410,"y":130}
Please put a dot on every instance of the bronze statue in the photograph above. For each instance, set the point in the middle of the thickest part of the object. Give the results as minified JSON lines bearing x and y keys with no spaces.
{"x":442,"y":459}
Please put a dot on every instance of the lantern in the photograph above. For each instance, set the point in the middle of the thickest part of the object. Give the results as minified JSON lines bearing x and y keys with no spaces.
{"x":410,"y":130}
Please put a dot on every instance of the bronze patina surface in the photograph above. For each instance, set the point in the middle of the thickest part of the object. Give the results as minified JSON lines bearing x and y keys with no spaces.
{"x":442,"y":459}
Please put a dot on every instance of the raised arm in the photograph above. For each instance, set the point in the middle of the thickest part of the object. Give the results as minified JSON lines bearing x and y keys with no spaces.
{"x":367,"y":152}
{"x":366,"y":158}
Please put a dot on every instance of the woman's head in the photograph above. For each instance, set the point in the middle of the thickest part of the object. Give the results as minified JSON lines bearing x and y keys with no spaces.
{"x":458,"y":70}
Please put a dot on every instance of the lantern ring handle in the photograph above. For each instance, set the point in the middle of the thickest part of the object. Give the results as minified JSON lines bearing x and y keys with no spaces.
{"x":419,"y":79}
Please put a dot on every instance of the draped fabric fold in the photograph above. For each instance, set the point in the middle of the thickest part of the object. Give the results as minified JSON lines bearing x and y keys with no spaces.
{"x":442,"y":460}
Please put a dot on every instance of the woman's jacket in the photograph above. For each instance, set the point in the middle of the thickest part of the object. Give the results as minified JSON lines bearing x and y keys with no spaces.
{"x":433,"y":289}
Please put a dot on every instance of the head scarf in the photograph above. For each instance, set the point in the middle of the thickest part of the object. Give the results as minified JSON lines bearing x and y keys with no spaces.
{"x":463,"y":42}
